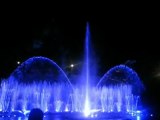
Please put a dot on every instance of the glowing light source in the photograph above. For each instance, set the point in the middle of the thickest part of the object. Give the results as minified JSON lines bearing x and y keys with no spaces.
{"x":18,"y":62}
{"x":138,"y":111}
{"x":138,"y":118}
{"x":72,"y":65}
{"x":87,"y":108}
{"x":66,"y":109}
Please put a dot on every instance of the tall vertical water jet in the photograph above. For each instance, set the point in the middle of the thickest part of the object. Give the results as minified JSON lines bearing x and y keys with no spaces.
{"x":87,"y":62}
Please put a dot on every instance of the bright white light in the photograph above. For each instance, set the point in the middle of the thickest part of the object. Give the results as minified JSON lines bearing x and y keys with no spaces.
{"x":18,"y":62}
{"x":72,"y":65}
{"x":87,"y":108}
{"x":26,"y":112}
{"x":66,"y":109}
{"x":46,"y":110}
{"x":138,"y":118}
{"x":92,"y":116}
{"x":138,"y":111}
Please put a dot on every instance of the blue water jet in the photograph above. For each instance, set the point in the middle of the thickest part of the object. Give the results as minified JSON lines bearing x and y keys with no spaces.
{"x":87,"y":61}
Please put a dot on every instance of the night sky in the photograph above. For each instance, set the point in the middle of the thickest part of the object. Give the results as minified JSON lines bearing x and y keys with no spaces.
{"x":116,"y":35}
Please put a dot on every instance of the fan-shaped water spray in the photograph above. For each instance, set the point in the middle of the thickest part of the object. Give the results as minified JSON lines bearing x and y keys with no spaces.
{"x":122,"y":75}
{"x":39,"y":69}
{"x":38,"y":82}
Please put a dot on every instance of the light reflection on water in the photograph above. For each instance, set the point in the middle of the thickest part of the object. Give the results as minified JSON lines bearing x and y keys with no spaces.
{"x":64,"y":118}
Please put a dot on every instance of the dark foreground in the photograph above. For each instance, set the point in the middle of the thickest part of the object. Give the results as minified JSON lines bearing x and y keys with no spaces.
{"x":80,"y":116}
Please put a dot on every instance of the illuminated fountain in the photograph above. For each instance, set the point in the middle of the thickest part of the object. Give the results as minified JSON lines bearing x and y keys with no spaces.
{"x":40,"y":83}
